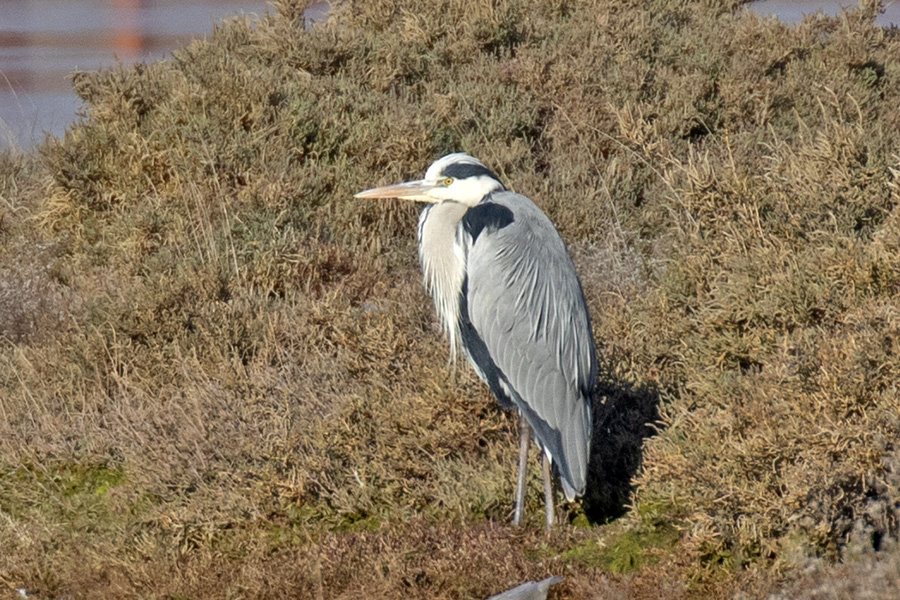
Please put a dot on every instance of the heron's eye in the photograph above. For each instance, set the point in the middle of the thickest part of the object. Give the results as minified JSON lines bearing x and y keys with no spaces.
{"x":448,"y":181}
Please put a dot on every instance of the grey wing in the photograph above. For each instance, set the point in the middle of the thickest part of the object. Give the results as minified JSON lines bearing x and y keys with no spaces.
{"x":527,"y":309}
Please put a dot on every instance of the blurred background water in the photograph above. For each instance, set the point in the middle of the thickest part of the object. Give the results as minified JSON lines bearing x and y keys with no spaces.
{"x":793,"y":11}
{"x":43,"y":41}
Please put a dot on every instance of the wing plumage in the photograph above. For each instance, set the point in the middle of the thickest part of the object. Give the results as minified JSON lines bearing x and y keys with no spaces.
{"x":525,"y":326}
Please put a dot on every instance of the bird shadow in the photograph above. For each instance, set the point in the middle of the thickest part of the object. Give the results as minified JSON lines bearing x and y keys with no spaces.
{"x":623,"y":417}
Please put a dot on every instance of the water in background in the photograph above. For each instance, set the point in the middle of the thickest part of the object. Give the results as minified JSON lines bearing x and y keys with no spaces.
{"x":43,"y":41}
{"x":793,"y":11}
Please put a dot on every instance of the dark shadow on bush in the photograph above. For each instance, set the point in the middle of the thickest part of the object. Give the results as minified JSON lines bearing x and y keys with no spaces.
{"x":624,"y":417}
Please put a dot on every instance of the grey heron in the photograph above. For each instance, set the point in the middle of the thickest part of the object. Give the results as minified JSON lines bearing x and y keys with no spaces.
{"x":507,"y":294}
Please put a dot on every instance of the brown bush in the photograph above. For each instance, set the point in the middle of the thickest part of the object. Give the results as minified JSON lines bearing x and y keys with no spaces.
{"x":221,"y":365}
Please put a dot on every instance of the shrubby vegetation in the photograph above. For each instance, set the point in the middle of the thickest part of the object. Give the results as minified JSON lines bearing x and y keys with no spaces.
{"x":220,"y":374}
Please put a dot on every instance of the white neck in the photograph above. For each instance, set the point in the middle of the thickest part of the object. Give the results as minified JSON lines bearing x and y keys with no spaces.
{"x":443,"y":268}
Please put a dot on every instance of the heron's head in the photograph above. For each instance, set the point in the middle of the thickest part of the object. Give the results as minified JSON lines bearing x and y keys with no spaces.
{"x":457,"y":177}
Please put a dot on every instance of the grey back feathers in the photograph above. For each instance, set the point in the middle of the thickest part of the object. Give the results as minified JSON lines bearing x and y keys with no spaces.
{"x":527,"y":313}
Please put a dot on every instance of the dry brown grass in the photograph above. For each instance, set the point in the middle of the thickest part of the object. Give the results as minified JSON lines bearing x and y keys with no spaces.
{"x":870,"y":578}
{"x":221,"y":377}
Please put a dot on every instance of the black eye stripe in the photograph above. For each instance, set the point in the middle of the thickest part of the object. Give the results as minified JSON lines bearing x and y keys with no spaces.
{"x":466,"y":170}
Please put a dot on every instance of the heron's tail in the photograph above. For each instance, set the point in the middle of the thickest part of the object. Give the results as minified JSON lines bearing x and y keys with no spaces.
{"x":568,"y":490}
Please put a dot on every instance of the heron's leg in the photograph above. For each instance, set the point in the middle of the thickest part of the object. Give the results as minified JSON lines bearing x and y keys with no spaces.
{"x":548,"y":491}
{"x":524,"y":439}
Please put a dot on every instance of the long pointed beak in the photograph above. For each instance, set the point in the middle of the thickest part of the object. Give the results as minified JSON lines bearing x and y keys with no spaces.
{"x":411,"y":190}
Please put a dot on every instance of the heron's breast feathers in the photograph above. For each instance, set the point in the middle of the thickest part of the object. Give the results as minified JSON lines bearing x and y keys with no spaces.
{"x":443,"y":265}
